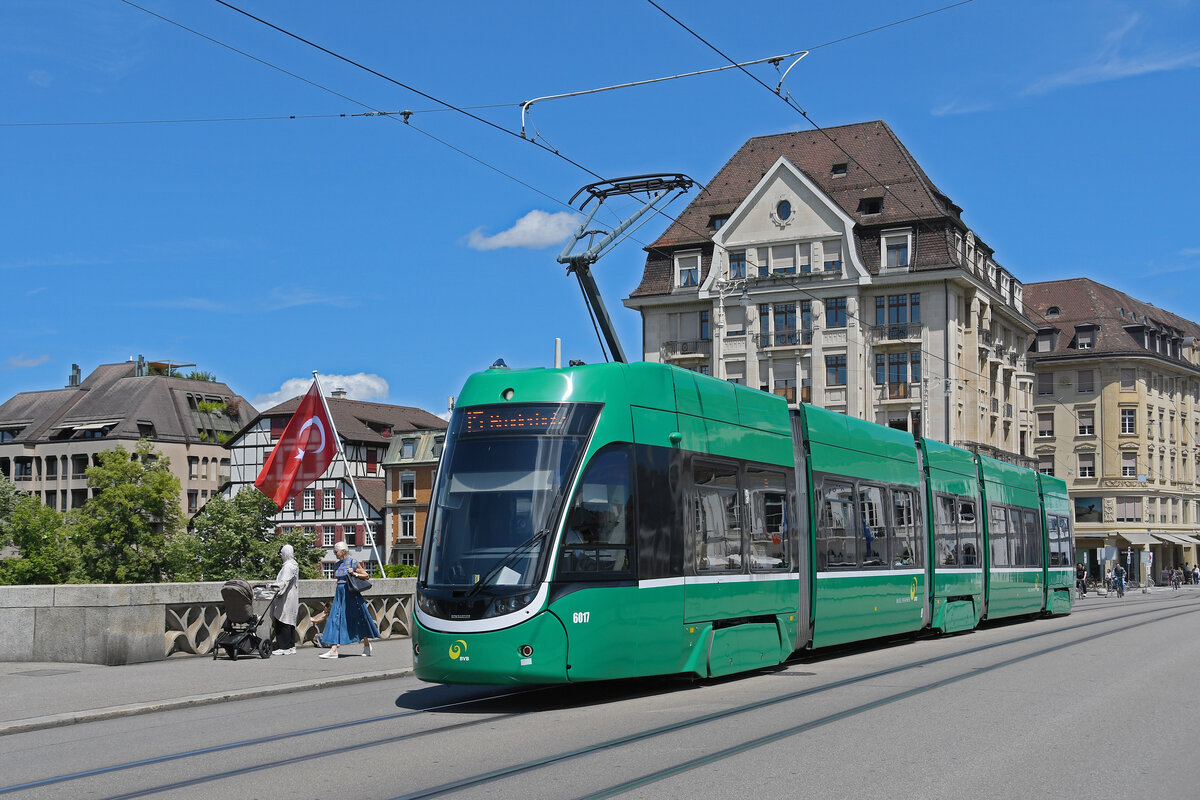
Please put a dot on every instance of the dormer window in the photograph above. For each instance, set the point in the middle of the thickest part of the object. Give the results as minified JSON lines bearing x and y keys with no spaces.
{"x":895,"y":247}
{"x":1045,"y":341}
{"x":716,"y":221}
{"x":687,"y":270}
{"x":870,"y":205}
{"x":838,"y":170}
{"x":1085,"y":338}
{"x":1052,"y":312}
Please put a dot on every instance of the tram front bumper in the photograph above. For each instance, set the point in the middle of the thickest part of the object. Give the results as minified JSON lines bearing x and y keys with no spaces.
{"x":532,"y":652}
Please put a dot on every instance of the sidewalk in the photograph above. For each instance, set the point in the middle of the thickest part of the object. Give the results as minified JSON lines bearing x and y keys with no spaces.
{"x":46,"y":695}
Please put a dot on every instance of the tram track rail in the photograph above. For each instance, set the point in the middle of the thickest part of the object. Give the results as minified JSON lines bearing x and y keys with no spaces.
{"x":1135,"y":615}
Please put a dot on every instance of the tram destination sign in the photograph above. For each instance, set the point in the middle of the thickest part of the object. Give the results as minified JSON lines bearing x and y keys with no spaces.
{"x":559,"y":419}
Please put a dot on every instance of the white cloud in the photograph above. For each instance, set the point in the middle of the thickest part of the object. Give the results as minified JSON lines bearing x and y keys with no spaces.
{"x":1110,"y":65}
{"x":360,"y":386}
{"x":952,"y":108}
{"x":535,"y":230}
{"x":21,"y":362}
{"x":39,"y":77}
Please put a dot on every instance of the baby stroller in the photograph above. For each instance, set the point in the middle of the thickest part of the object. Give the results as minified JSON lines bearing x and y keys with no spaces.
{"x":245,"y":613}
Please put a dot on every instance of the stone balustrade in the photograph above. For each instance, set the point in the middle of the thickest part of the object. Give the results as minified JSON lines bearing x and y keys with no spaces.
{"x":127,"y":624}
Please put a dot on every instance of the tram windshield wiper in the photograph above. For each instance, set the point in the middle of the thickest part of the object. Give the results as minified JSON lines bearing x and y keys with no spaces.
{"x":509,"y":558}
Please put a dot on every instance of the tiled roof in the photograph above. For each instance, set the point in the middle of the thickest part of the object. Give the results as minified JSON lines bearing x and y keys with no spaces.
{"x":373,"y":493}
{"x":1117,"y":316}
{"x":873,"y":156}
{"x":112,"y":394}
{"x":360,"y":421}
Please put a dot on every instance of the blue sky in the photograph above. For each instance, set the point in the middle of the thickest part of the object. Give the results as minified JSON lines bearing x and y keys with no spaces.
{"x":405,"y":257}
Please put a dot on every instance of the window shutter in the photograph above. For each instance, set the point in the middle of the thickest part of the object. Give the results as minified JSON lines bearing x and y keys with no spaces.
{"x":337,"y":532}
{"x":320,"y":540}
{"x":319,"y":504}
{"x":372,"y":459}
{"x":337,"y":495}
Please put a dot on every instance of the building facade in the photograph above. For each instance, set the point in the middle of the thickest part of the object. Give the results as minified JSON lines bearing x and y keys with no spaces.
{"x":1118,"y":418}
{"x":329,"y":510}
{"x":826,"y":267}
{"x":409,"y":468}
{"x":49,"y":439}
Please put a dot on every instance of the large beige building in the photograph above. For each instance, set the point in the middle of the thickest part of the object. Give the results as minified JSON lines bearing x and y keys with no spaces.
{"x":826,"y":267}
{"x":1118,"y":418}
{"x":48,"y":439}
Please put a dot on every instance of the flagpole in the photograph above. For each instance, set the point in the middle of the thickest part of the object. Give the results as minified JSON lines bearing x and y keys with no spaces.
{"x":350,"y":474}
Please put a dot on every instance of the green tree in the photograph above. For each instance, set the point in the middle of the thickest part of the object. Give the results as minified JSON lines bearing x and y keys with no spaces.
{"x":122,"y":530}
{"x":8,"y":501}
{"x":237,"y":539}
{"x":46,"y":552}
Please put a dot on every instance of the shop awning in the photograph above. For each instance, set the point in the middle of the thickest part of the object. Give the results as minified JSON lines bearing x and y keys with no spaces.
{"x":1170,"y":537}
{"x":1138,"y":538}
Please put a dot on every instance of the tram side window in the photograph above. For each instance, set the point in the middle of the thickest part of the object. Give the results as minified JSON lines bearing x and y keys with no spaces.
{"x":1016,"y":539}
{"x":1033,"y":539}
{"x":1060,"y":540}
{"x":998,"y":536}
{"x":873,"y":547}
{"x":768,"y":519}
{"x":945,"y":532}
{"x":598,"y":540}
{"x":717,"y":517}
{"x":968,"y":533}
{"x":836,"y":539}
{"x":905,"y":546}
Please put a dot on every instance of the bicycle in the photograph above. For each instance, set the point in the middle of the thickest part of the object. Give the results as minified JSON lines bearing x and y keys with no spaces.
{"x":1119,"y":585}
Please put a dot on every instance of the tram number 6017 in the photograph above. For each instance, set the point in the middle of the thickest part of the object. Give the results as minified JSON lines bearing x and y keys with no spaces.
{"x":581,"y":616}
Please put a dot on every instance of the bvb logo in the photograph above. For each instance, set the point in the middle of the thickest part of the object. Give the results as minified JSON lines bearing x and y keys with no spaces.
{"x":912,"y":590}
{"x":456,"y":650}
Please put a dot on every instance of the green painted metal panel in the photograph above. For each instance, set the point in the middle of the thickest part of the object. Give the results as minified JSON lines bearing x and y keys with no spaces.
{"x":687,"y":396}
{"x":950,"y":469}
{"x":857,"y":464}
{"x":1006,"y":483}
{"x":717,"y":400}
{"x":744,"y":647}
{"x":1060,"y":601}
{"x":694,"y":431}
{"x":853,"y":608}
{"x":851,"y":433}
{"x":654,"y":427}
{"x":493,"y":657}
{"x":955,"y":616}
{"x":623,"y":631}
{"x":653,"y":385}
{"x":766,"y":412}
{"x":1015,"y":593}
{"x":733,"y":598}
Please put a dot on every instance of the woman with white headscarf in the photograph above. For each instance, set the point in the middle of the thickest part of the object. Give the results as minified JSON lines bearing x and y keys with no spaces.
{"x":285,"y":606}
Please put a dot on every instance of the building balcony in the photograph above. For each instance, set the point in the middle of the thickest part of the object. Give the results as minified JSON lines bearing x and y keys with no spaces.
{"x":1008,"y":410}
{"x":985,"y":337}
{"x":784,"y":338}
{"x":896,"y":332}
{"x":687,"y":349}
{"x":897,"y":391}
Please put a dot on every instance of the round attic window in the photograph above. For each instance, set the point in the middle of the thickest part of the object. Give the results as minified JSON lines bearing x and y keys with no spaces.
{"x":783,"y":210}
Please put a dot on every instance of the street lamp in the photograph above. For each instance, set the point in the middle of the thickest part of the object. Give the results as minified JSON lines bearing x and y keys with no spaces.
{"x":726,"y":289}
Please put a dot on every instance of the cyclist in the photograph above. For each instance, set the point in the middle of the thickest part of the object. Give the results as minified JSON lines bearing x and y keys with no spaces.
{"x":1118,"y":577}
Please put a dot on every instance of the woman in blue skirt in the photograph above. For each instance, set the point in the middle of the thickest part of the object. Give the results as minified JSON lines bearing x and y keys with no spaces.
{"x":349,"y":620}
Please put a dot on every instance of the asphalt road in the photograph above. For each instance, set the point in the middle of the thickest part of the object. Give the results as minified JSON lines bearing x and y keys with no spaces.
{"x":1096,"y":703}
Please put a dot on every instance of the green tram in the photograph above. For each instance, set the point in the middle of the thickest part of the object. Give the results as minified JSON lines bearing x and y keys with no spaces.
{"x":621,"y":520}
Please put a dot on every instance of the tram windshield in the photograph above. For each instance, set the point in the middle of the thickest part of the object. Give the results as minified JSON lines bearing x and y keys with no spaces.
{"x":499,"y":493}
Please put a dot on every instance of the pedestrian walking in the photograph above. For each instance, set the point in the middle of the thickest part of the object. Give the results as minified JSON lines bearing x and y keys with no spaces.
{"x":285,"y":606}
{"x":349,"y":620}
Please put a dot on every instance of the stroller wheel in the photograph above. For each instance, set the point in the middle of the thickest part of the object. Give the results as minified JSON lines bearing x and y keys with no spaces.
{"x":264,"y":648}
{"x":232,"y":652}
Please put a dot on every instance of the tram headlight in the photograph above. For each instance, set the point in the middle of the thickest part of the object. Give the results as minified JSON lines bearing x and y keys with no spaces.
{"x":429,"y":605}
{"x":507,"y":605}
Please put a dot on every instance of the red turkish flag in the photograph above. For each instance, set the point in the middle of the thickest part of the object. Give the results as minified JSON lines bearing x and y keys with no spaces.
{"x":303,"y":452}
